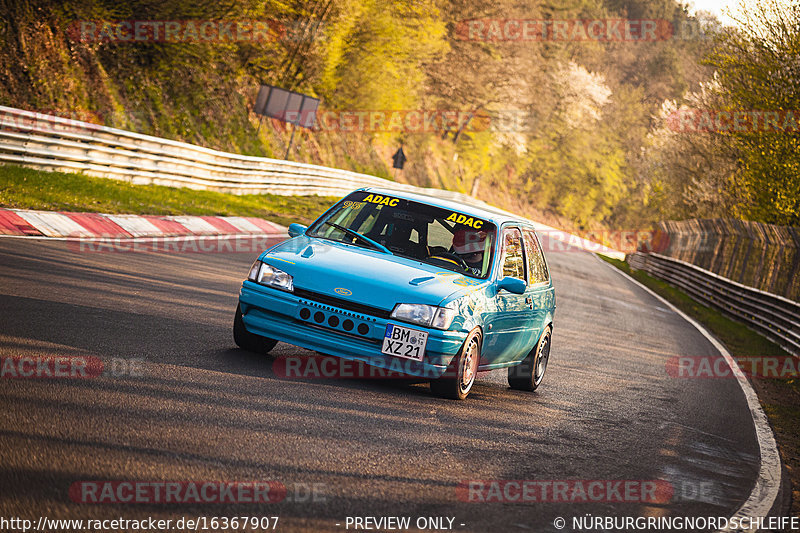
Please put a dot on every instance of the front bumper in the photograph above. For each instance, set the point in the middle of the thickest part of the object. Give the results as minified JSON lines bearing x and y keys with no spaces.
{"x":285,"y":317}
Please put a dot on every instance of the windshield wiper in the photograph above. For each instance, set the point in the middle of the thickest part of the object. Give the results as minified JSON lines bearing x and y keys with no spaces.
{"x":357,"y":235}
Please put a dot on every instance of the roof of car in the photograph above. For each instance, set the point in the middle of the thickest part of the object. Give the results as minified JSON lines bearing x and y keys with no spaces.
{"x":488,"y":213}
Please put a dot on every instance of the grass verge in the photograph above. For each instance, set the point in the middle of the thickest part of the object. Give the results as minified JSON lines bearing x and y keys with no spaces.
{"x":25,"y":188}
{"x":780,"y":398}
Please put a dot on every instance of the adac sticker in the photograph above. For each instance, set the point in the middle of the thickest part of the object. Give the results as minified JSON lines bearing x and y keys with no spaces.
{"x":465,"y":282}
{"x":383,"y":200}
{"x":457,"y":278}
{"x":472,"y":222}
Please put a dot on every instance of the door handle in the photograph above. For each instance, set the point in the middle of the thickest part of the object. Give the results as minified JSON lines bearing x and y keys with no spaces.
{"x":529,"y":301}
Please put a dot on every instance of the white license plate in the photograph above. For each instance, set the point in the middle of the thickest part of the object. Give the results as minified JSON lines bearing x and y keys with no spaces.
{"x":404,"y":342}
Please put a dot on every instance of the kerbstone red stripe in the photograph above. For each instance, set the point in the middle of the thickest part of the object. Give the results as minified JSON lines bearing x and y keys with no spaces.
{"x":168,"y":226}
{"x":13,"y":224}
{"x":99,"y":224}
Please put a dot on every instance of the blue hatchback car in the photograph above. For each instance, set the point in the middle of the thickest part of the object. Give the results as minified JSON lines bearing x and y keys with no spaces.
{"x":404,"y":281}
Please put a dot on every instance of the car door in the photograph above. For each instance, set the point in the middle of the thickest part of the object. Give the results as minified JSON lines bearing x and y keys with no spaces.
{"x":539,"y":291}
{"x":508,"y":328}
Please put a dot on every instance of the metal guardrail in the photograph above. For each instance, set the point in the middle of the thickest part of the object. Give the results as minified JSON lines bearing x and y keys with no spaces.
{"x":777,"y":318}
{"x":47,"y":142}
{"x":52,"y":143}
{"x":764,"y":256}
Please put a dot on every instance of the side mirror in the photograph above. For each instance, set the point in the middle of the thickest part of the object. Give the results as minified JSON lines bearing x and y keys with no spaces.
{"x":512,"y":285}
{"x":296,"y":229}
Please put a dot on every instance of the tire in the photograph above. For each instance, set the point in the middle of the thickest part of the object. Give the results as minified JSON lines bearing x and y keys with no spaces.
{"x":528,"y":375}
{"x":459,"y":377}
{"x":249,"y":341}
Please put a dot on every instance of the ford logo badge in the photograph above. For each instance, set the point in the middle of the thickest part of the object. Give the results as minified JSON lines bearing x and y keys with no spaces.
{"x":342,"y":292}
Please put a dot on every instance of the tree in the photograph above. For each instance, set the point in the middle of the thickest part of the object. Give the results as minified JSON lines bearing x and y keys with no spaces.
{"x":758,"y":68}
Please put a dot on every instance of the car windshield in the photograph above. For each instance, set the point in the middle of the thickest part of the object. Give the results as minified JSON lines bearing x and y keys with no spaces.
{"x":449,"y":239}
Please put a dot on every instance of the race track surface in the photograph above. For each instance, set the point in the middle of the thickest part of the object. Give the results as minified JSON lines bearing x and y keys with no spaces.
{"x":198,"y":408}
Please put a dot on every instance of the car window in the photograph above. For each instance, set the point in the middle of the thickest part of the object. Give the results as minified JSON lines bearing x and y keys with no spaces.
{"x":449,"y":239}
{"x":354,"y":217}
{"x":439,"y":234}
{"x":513,"y":261}
{"x":537,"y":268}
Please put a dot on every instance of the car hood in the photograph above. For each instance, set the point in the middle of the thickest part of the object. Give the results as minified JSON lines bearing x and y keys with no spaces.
{"x":365,"y":276}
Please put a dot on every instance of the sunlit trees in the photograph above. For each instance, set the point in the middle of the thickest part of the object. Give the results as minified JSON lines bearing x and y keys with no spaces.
{"x":558,"y":125}
{"x":758,"y":67}
{"x":732,"y":148}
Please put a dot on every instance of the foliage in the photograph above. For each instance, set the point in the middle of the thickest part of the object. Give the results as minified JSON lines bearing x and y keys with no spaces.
{"x":759,"y":70}
{"x":555,"y":126}
{"x":752,"y":170}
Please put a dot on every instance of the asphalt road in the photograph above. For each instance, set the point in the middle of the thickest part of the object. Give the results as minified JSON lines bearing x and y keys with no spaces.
{"x":198,"y":408}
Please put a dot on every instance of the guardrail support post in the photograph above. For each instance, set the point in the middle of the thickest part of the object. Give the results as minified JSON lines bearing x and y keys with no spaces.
{"x":291,"y":140}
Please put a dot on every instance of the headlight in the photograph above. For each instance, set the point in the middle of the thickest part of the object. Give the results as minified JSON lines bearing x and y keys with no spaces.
{"x":429,"y":316}
{"x":268,"y":275}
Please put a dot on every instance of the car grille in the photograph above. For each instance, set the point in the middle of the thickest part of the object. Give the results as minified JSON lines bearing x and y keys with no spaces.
{"x":361,"y":337}
{"x":342,"y":303}
{"x":334,"y":318}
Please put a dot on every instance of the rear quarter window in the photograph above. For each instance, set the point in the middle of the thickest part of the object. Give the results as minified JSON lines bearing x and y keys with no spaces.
{"x":537,"y":268}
